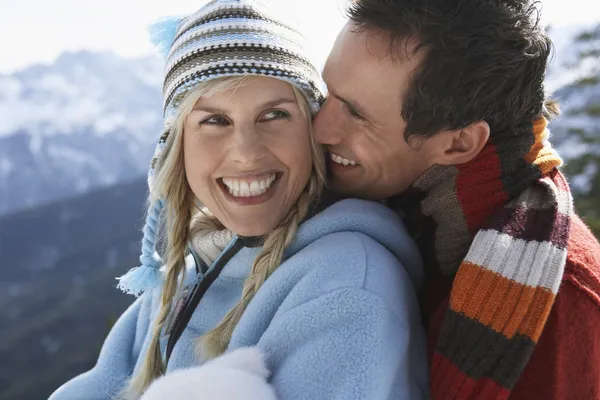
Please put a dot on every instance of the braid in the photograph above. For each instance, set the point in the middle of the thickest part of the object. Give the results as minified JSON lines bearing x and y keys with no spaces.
{"x":179,"y":217}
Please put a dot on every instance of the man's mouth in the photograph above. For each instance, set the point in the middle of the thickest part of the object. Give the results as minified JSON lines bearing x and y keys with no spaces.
{"x":342,"y":160}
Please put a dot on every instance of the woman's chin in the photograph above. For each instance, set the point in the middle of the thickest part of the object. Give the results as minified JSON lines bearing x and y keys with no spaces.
{"x":251,"y":223}
{"x":250,"y":230}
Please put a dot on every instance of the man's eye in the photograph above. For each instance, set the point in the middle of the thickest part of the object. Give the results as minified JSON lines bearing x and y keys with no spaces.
{"x":275,"y":114}
{"x":353,"y":113}
{"x":217,"y":120}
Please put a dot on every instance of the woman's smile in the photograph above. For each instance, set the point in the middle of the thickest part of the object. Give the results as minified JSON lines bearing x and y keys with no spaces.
{"x":250,"y":189}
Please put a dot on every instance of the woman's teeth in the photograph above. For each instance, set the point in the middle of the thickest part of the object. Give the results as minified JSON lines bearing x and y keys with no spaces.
{"x":341,"y":160}
{"x":246,"y":188}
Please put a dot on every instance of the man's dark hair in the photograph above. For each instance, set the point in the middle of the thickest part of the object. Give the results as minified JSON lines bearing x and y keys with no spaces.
{"x":483,"y":60}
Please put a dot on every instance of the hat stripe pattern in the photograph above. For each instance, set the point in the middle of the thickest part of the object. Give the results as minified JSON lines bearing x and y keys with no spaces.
{"x":237,"y":25}
{"x":202,"y":72}
{"x":220,"y":9}
{"x":214,"y":44}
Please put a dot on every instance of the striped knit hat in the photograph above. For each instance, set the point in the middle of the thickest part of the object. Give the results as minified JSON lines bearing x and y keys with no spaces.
{"x":223,"y":38}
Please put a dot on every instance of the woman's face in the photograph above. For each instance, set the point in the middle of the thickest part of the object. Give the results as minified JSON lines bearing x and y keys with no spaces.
{"x":247,"y":154}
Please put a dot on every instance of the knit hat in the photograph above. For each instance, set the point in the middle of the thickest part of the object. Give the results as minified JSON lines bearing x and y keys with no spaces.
{"x":223,"y":38}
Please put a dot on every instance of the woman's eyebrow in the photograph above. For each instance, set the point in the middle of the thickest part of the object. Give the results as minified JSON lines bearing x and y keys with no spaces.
{"x":209,"y":109}
{"x":278,"y":102}
{"x":268,"y":104}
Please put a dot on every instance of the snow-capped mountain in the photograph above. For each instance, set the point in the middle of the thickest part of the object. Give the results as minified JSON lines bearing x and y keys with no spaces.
{"x":574,"y":80}
{"x":88,"y":120}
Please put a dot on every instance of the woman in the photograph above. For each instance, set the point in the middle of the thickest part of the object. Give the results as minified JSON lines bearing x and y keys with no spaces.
{"x":326,"y":295}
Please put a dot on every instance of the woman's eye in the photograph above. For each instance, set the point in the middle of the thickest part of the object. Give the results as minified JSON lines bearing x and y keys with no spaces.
{"x":275,"y":114}
{"x":215,"y":120}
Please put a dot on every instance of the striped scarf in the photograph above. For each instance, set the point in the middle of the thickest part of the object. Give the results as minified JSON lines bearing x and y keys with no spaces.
{"x":497,"y":228}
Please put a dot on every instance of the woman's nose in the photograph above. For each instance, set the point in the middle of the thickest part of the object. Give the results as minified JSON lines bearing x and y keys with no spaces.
{"x":248,"y":146}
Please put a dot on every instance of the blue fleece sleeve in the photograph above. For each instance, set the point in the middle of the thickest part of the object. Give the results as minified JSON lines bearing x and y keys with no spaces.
{"x":347,"y":345}
{"x":117,"y":358}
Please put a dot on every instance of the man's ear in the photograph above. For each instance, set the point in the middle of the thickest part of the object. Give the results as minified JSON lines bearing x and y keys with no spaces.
{"x":461,"y":145}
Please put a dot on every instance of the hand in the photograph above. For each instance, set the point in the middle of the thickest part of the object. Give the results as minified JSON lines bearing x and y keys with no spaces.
{"x":238,"y":375}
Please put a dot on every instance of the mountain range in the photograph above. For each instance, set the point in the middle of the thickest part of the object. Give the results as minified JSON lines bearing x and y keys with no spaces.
{"x":87,"y":121}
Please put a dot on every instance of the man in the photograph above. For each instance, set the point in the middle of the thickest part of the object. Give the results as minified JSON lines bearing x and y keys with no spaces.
{"x":438,"y":106}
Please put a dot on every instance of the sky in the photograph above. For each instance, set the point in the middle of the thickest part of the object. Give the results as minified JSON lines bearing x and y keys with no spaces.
{"x":37,"y":31}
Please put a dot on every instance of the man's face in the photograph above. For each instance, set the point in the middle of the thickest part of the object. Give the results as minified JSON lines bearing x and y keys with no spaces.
{"x":361,"y":122}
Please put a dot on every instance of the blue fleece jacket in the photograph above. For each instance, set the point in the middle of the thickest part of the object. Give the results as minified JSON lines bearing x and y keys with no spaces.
{"x":339,"y":318}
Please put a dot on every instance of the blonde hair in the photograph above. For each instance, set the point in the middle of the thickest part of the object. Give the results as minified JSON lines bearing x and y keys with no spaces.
{"x":172,"y":186}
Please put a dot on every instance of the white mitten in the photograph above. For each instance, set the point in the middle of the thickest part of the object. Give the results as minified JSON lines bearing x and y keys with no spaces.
{"x":238,"y":375}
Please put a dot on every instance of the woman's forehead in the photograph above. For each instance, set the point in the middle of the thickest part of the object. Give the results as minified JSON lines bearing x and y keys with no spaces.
{"x":255,"y":92}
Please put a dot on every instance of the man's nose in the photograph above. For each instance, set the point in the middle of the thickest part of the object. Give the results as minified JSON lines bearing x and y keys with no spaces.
{"x":327,"y":131}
